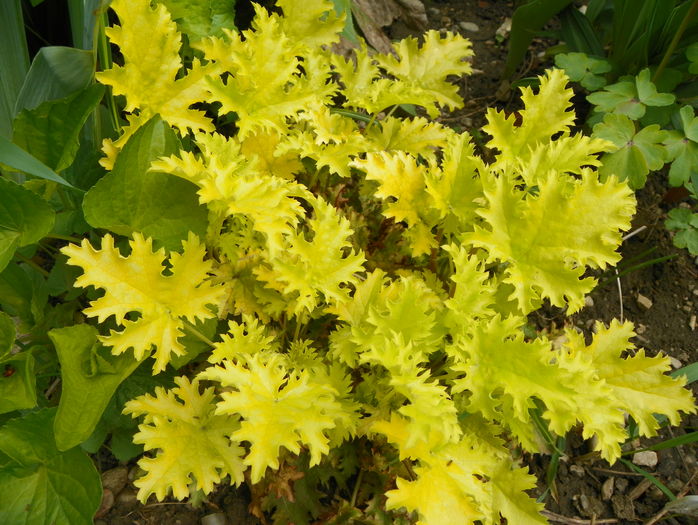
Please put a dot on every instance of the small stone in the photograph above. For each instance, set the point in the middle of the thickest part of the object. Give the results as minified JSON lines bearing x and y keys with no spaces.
{"x":607,"y":489}
{"x":127,"y":498}
{"x":469,"y":26}
{"x":644,"y":302}
{"x":504,"y":29}
{"x":446,"y":21}
{"x":434,"y":11}
{"x":640,"y":329}
{"x":695,"y":291}
{"x":647,"y":458}
{"x":115,"y":479}
{"x":576,"y":469}
{"x":692,"y":323}
{"x":217,"y":518}
{"x":686,"y":308}
{"x":588,"y":301}
{"x":675,"y":363}
{"x":621,"y":485}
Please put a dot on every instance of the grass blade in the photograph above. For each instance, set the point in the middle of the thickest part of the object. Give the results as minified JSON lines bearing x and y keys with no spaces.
{"x":14,"y":62}
{"x":661,"y":486}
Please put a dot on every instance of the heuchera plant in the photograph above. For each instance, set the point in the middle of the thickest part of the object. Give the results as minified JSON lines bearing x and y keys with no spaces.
{"x":362,"y":280}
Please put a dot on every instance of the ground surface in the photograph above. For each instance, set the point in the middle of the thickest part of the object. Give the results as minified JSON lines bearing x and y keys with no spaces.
{"x":586,"y":490}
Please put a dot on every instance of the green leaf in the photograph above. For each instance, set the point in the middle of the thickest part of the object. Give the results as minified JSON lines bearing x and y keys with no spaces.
{"x":91,"y":375}
{"x":83,"y":19}
{"x":15,"y":157}
{"x":690,"y":371}
{"x":51,"y":131}
{"x":202,"y":18}
{"x":584,"y":69}
{"x":638,"y":153}
{"x":17,"y":382}
{"x":349,"y":32}
{"x":685,"y":223}
{"x":7,"y":333}
{"x":526,"y":21}
{"x":25,"y":218}
{"x":42,"y":485}
{"x":692,"y":55}
{"x":132,"y":199}
{"x":23,"y":293}
{"x":631,"y":98}
{"x":14,"y":62}
{"x":56,"y":72}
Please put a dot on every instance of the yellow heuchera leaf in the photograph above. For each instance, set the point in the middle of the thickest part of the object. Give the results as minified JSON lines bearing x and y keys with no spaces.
{"x":322,"y":267}
{"x":242,"y":339}
{"x":545,"y":114}
{"x":311,"y":23}
{"x":402,"y":187}
{"x":266,"y":84}
{"x":504,"y":373}
{"x":474,"y":480}
{"x":279,"y":409}
{"x":192,"y":444}
{"x":265,"y":147}
{"x":233,"y":184}
{"x":136,"y":284}
{"x":422,"y":69}
{"x":639,"y":384}
{"x":547,"y":238}
{"x":150,"y":78}
{"x":417,"y":136}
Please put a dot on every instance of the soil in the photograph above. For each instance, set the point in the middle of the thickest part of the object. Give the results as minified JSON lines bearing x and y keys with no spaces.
{"x":660,"y":299}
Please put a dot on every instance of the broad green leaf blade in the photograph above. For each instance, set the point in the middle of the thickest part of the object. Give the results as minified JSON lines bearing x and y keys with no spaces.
{"x":132,"y":199}
{"x":527,"y":20}
{"x":53,"y":487}
{"x":202,"y":18}
{"x":55,"y":72}
{"x":51,"y":131}
{"x":14,"y":62}
{"x":17,"y":382}
{"x":23,"y":293}
{"x":90,"y":378}
{"x":690,"y":371}
{"x":15,"y":157}
{"x":24,"y":219}
{"x":7,"y":333}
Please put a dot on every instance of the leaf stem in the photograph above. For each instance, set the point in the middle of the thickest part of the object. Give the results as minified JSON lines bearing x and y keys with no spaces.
{"x":31,"y":263}
{"x":675,"y":40}
{"x":201,"y":337}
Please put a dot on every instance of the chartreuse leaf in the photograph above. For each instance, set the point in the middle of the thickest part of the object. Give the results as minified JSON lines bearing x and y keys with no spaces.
{"x":546,"y":114}
{"x":193,"y":440}
{"x":151,"y":82}
{"x":267,"y":85}
{"x":279,"y":408}
{"x":133,"y":199}
{"x":321,"y":268}
{"x":546,"y":256}
{"x":61,"y":488}
{"x":585,"y":69}
{"x":631,"y":97}
{"x":17,"y":382}
{"x":475,"y":478}
{"x":402,"y":186}
{"x":90,"y":376}
{"x":136,"y":284}
{"x":312,"y":23}
{"x":639,"y":384}
{"x":682,"y":148}
{"x":51,"y":131}
{"x":231,"y":182}
{"x":637,"y":153}
{"x":692,"y":55}
{"x":25,"y":218}
{"x":202,"y":18}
